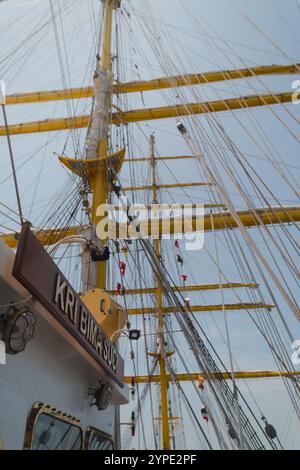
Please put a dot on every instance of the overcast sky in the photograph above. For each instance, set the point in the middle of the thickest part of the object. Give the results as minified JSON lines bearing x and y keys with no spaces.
{"x":31,"y":63}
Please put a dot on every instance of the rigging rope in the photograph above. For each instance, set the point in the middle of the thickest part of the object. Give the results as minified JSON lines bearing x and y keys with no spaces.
{"x":11,"y":156}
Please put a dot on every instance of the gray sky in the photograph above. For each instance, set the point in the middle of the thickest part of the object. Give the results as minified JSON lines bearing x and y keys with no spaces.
{"x":31,"y":63}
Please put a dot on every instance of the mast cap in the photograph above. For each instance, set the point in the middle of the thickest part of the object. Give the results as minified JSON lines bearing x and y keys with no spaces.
{"x":115,"y":3}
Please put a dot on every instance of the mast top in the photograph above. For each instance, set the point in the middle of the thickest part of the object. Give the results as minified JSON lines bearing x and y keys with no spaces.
{"x":114,"y":3}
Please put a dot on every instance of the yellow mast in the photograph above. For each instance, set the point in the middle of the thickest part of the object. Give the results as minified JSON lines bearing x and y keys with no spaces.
{"x":165,"y":112}
{"x":156,"y":84}
{"x":99,"y":186}
{"x":98,"y":179}
{"x":238,"y":375}
{"x":160,"y":312}
{"x":219,"y":221}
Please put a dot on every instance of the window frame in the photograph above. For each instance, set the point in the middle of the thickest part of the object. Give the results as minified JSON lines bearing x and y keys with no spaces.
{"x":92,"y":430}
{"x":39,"y":409}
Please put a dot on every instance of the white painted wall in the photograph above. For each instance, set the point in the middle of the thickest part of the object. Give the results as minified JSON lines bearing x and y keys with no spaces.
{"x":50,"y":370}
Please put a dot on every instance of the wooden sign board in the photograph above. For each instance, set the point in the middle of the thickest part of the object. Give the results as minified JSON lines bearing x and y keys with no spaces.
{"x":39,"y":274}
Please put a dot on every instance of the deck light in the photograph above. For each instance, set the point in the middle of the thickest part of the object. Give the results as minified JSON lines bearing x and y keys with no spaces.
{"x":134,"y":335}
{"x":101,"y":396}
{"x":19,"y":331}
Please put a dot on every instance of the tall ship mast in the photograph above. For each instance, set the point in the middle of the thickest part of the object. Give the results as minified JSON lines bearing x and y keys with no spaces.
{"x":150,"y":301}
